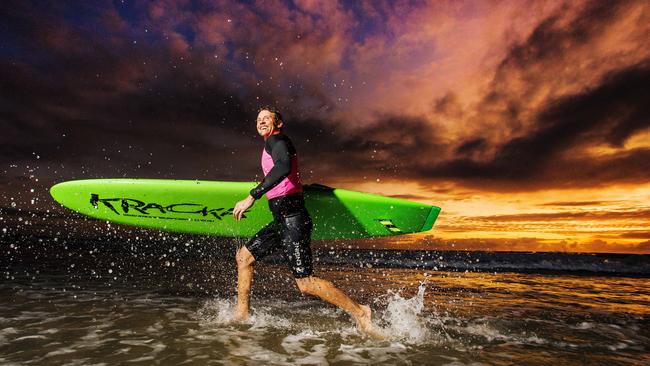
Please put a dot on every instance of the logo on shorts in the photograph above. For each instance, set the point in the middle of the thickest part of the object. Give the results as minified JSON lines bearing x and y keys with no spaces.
{"x":296,"y":253}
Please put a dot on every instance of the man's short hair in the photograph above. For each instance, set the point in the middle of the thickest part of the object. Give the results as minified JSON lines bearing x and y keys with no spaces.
{"x":274,"y":110}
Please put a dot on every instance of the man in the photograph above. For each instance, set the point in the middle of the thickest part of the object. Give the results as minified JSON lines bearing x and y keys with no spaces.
{"x":291,"y":228}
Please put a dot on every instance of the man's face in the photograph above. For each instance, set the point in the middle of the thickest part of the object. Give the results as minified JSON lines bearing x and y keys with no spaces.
{"x":266,"y":124}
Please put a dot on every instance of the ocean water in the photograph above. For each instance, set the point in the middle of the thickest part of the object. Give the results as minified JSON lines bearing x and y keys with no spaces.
{"x":111,"y":302}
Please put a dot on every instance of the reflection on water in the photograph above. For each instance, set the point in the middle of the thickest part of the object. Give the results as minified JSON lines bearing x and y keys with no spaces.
{"x":55,"y":316}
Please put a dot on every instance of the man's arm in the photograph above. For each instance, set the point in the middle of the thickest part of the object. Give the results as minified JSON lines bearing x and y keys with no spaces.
{"x":242,"y":206}
{"x":281,"y":166}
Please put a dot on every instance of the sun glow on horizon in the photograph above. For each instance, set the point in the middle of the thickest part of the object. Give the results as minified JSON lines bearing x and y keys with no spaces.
{"x":612,"y":219}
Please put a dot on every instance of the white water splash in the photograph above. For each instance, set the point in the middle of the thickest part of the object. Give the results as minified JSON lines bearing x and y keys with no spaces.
{"x":220,"y":312}
{"x":403,"y":318}
{"x":216,"y":312}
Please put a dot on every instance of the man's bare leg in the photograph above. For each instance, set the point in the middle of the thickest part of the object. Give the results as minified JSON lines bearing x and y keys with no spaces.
{"x":326,"y":290}
{"x":244,"y":281}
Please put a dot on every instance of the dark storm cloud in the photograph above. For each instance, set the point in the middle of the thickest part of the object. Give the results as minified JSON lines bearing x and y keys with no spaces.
{"x":175,"y":123}
{"x":407,"y":146}
{"x":609,"y":112}
{"x":619,"y":103}
{"x":551,"y":39}
{"x":536,"y":156}
{"x":94,"y":97}
{"x":385,"y":148}
{"x":471,"y":146}
{"x":84,"y":84}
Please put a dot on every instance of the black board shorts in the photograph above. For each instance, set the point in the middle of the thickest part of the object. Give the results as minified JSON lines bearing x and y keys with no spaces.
{"x":289,"y":231}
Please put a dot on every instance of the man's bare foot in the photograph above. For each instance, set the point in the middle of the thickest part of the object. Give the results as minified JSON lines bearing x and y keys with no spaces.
{"x":364,"y":324}
{"x":239,"y":317}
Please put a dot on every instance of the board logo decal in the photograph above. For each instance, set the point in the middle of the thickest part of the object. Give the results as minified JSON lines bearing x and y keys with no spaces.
{"x":135,"y":207}
{"x":388,"y":224}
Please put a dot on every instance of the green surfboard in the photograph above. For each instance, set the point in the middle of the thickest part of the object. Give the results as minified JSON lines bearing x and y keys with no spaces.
{"x":205,"y":207}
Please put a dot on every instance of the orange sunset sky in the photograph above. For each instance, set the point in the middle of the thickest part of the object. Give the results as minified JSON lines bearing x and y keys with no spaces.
{"x":527,"y":122}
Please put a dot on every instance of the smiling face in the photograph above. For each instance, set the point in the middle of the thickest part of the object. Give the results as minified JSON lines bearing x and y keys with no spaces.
{"x":267,"y":124}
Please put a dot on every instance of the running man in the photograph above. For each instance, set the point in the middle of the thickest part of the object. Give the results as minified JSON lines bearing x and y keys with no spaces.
{"x":290,"y":230}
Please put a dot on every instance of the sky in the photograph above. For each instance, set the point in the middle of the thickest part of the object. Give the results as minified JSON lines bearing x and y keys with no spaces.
{"x":527,"y":122}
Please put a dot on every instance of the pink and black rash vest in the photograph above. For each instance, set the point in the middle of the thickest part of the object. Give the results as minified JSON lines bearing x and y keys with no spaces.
{"x":280,"y":167}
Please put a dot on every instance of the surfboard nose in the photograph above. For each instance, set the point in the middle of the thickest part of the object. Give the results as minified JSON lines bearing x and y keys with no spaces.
{"x":56,"y":191}
{"x":66,"y":192}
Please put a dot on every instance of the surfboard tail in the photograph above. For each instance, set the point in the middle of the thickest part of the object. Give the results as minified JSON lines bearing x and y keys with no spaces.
{"x":433,"y":215}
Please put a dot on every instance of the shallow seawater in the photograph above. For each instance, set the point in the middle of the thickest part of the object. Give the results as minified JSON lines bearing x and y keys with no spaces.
{"x":57,"y":316}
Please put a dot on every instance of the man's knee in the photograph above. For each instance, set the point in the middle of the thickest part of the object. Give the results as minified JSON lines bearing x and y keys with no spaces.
{"x":244,"y":257}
